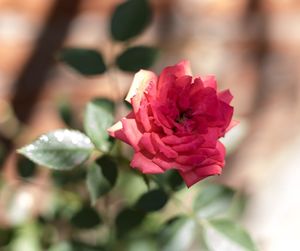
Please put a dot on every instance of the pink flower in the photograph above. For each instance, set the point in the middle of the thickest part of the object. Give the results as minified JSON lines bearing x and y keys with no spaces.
{"x":176,"y":123}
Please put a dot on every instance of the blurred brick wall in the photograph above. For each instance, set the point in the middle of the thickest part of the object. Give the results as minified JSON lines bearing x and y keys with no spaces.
{"x":228,"y":38}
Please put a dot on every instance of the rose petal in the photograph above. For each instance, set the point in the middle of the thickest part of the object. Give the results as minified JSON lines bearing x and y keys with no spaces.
{"x":191,"y":160}
{"x":208,"y":170}
{"x":232,"y":124}
{"x":165,"y":85}
{"x":175,"y":140}
{"x":190,"y":178}
{"x":226,"y":113}
{"x":166,"y":163}
{"x":210,"y":138}
{"x":162,"y":147}
{"x":131,"y":131}
{"x":210,"y":81}
{"x":143,"y":117}
{"x":205,"y":102}
{"x":147,"y":144}
{"x":163,"y":162}
{"x":140,"y":82}
{"x":165,"y":78}
{"x":144,"y":164}
{"x":197,"y":174}
{"x":225,"y":96}
{"x":160,"y":120}
{"x":221,"y":149}
{"x":190,"y":146}
{"x":116,"y":131}
{"x":181,"y":69}
{"x":183,"y":82}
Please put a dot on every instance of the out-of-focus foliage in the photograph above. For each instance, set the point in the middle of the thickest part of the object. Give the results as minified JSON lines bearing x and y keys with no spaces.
{"x":86,"y":61}
{"x":98,"y":117}
{"x":130,"y":19}
{"x":136,"y":58}
{"x":101,"y":177}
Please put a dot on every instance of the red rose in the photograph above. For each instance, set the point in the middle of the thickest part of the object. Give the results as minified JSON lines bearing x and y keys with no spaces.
{"x":176,"y":122}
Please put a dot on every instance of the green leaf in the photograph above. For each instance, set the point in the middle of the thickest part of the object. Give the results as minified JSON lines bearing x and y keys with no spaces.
{"x":86,"y":218}
{"x":61,"y":149}
{"x":151,"y":201}
{"x":172,"y":178}
{"x":62,"y":246}
{"x":27,"y":237}
{"x":69,"y":177}
{"x":170,"y":228}
{"x":130,"y":19}
{"x":2,"y":153}
{"x":98,"y":118}
{"x":141,"y":243}
{"x":6,"y":236}
{"x":66,"y":113}
{"x":86,"y":61}
{"x":232,"y":232}
{"x":26,"y":168}
{"x":202,"y":240}
{"x":238,"y":206}
{"x":101,"y":177}
{"x":176,"y":234}
{"x":146,"y":180}
{"x":79,"y":246}
{"x":213,"y":200}
{"x":127,"y":105}
{"x":136,"y":58}
{"x":127,"y":220}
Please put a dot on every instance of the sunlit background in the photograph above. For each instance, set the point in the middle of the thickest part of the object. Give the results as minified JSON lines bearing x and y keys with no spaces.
{"x":252,"y":46}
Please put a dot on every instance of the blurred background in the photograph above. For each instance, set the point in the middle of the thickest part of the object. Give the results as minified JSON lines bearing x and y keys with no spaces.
{"x":252,"y":46}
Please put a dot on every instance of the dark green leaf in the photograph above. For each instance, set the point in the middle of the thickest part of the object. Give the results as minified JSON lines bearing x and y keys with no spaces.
{"x":136,"y":58}
{"x":86,"y":217}
{"x":79,"y":246}
{"x":109,"y":168}
{"x":127,"y":104}
{"x":66,"y":113}
{"x":26,"y":168}
{"x":130,"y":19}
{"x":174,"y":180}
{"x":127,"y":220}
{"x":101,"y":177}
{"x":2,"y":153}
{"x":233,"y":232}
{"x":146,"y":180}
{"x":6,"y":236}
{"x":171,"y":178}
{"x":86,"y":61}
{"x":213,"y":200}
{"x":98,"y":118}
{"x":69,"y":177}
{"x":152,"y":201}
{"x":61,"y":149}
